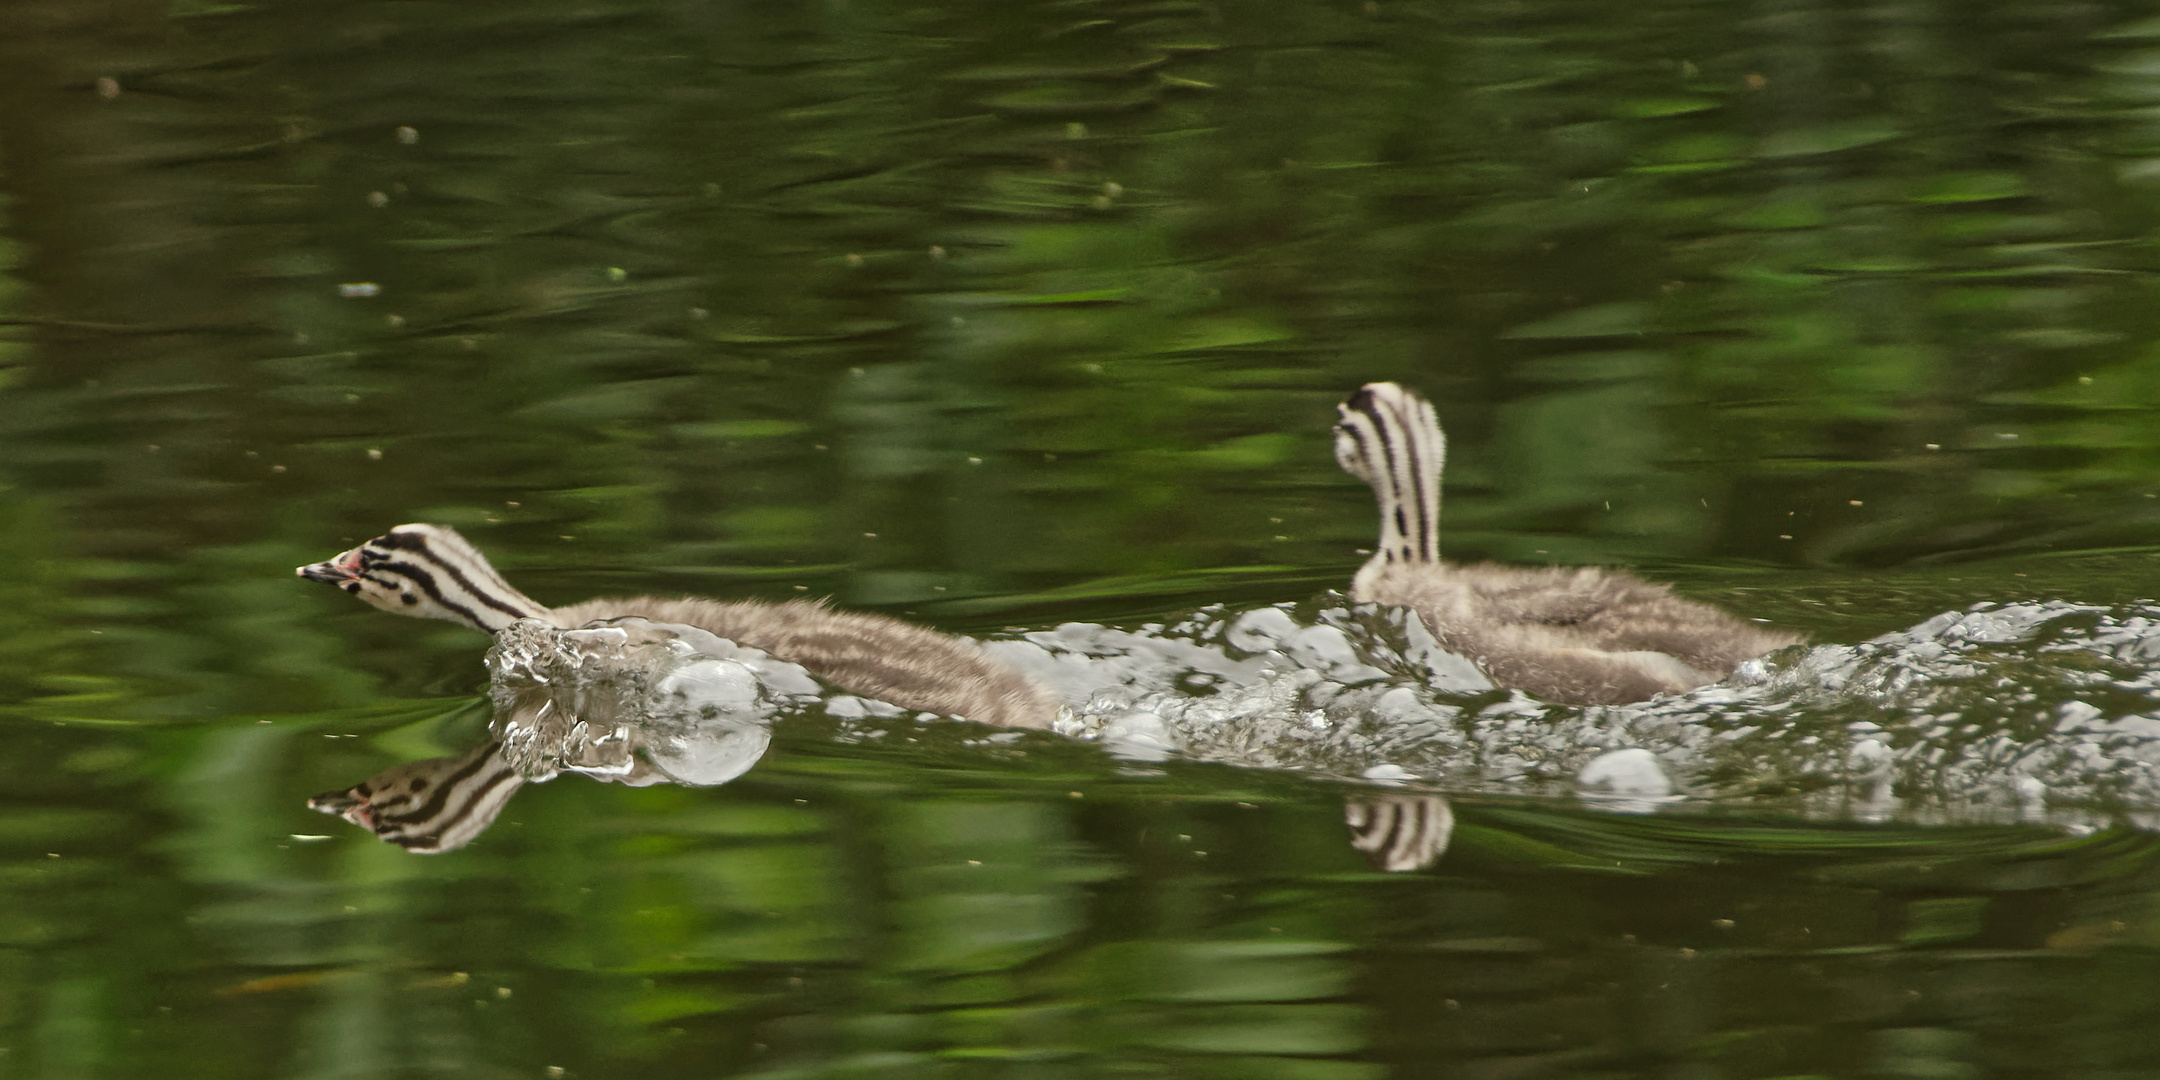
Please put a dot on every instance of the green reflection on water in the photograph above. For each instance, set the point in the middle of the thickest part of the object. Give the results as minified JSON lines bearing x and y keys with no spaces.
{"x":1005,"y":314}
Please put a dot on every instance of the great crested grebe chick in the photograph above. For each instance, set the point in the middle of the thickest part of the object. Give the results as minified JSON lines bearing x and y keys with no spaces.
{"x":1575,"y":635}
{"x":431,"y":572}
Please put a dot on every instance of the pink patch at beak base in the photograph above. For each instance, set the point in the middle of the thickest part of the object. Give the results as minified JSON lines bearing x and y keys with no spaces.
{"x":336,"y":571}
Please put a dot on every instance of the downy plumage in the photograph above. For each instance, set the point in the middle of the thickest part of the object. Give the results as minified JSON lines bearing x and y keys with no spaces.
{"x":1572,"y":635}
{"x":431,"y":572}
{"x":1576,"y":635}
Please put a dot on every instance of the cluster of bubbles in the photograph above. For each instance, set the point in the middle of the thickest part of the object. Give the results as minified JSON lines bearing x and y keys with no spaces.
{"x":636,"y":702}
{"x":2044,"y":711}
{"x":2026,"y":711}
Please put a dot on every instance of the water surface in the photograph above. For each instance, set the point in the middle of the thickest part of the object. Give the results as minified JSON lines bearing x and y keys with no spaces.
{"x":1003,"y":317}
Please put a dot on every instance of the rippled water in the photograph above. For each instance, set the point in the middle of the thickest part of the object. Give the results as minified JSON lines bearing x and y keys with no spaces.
{"x":1025,"y":322}
{"x":2044,"y":713}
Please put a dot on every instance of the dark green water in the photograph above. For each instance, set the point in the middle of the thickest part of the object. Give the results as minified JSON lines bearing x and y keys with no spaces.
{"x":999,"y":315}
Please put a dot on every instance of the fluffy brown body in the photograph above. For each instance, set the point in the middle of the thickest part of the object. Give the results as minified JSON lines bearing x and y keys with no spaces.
{"x":878,"y":657}
{"x":1579,"y":636}
{"x":430,"y":572}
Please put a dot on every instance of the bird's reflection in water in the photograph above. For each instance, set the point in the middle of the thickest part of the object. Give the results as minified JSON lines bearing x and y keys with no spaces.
{"x":441,"y":804}
{"x":1399,"y":833}
{"x":432,"y":805}
{"x":639,"y":703}
{"x":630,"y":702}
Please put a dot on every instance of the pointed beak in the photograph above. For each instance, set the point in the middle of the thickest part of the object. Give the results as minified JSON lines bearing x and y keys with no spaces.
{"x":337,"y":571}
{"x":345,"y":804}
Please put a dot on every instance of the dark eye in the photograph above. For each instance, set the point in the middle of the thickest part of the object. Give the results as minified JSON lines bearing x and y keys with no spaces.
{"x":353,"y":587}
{"x":411,"y":599}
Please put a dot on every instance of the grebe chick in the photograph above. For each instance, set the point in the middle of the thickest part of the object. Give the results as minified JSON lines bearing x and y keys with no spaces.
{"x":431,"y":572}
{"x":1578,"y":636}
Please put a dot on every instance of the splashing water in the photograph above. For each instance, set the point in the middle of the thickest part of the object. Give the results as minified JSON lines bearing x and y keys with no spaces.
{"x":637,"y":702}
{"x":2023,"y":711}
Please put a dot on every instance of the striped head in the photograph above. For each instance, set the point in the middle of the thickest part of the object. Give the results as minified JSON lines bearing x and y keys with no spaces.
{"x":430,"y":806}
{"x":1390,"y":438}
{"x":427,"y":571}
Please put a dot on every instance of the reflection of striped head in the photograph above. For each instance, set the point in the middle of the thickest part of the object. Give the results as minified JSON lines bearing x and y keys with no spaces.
{"x":428,"y":571}
{"x":1400,"y":832}
{"x":430,"y":806}
{"x":1390,"y":438}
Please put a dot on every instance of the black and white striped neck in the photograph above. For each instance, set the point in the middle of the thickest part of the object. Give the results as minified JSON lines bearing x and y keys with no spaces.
{"x":431,"y":572}
{"x":1389,"y":437}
